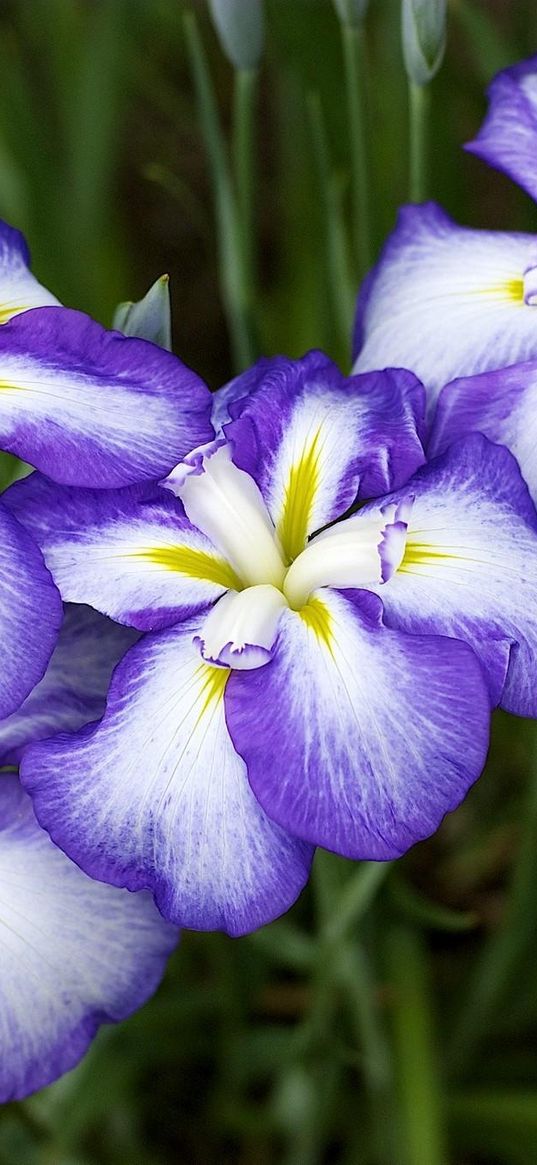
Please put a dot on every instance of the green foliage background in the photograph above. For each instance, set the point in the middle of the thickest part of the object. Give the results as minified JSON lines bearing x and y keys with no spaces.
{"x":391,"y":1017}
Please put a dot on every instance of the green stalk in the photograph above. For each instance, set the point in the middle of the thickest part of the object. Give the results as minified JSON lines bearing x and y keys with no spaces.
{"x":230,"y":247}
{"x":421,"y":1131}
{"x":354,"y":62}
{"x":343,"y":976}
{"x":418,"y":107}
{"x":359,"y":985}
{"x":497,"y":967}
{"x":245,"y":94}
{"x":339,"y":288}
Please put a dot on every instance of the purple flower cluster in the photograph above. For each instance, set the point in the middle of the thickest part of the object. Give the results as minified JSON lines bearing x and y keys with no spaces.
{"x":238,"y":627}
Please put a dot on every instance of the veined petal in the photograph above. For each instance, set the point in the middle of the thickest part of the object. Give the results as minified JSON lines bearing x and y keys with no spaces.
{"x":360,"y":550}
{"x":446,"y":301}
{"x":74,"y":953}
{"x":155,"y":796}
{"x":381,"y":733}
{"x":19,"y":289}
{"x":73,"y":689}
{"x":94,"y":408}
{"x":240,"y":629}
{"x":507,"y":139}
{"x":502,"y":405}
{"x":130,"y":553}
{"x":315,"y":441}
{"x":30,"y":613}
{"x":470,"y":566}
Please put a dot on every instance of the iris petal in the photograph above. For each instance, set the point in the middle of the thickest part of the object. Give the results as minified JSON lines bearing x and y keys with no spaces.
{"x":446,"y":301}
{"x":502,"y":405}
{"x":30,"y":613}
{"x":381,"y":733}
{"x":19,"y":289}
{"x":74,"y":953}
{"x":508,"y":137}
{"x":94,"y":408}
{"x":130,"y":553}
{"x":156,"y":797}
{"x":73,"y":689}
{"x":315,"y":441}
{"x":470,"y":566}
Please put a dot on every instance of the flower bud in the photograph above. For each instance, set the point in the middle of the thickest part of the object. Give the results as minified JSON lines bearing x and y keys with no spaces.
{"x":240,"y":28}
{"x":351,"y":11}
{"x":150,"y":317}
{"x":424,"y":38}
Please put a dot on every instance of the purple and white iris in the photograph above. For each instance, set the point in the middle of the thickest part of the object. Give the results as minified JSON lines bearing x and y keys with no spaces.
{"x":308,"y":624}
{"x":307,"y":676}
{"x":459,"y":306}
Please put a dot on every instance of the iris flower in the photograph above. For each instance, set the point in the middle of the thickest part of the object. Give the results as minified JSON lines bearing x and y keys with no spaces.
{"x":310,"y":673}
{"x":459,"y":306}
{"x":75,"y":953}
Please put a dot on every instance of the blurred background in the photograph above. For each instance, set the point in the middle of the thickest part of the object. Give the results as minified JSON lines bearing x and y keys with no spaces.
{"x":391,"y":1017}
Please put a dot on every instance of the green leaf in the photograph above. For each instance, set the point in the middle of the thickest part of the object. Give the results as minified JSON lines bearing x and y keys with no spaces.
{"x":420,"y":909}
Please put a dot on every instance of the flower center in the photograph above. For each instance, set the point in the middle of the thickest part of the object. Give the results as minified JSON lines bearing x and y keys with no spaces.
{"x":227,"y":505}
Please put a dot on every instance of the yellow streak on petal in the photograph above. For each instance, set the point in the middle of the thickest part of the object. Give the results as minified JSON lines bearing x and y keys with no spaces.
{"x":424,"y":554}
{"x":9,"y":310}
{"x":299,"y":499}
{"x":511,"y":290}
{"x":515,"y":290}
{"x":212,"y":681}
{"x":420,"y":553}
{"x":193,"y":563}
{"x":318,"y":619}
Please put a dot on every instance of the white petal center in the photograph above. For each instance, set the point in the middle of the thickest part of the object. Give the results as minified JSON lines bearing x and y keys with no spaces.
{"x":227,"y":505}
{"x":241,"y":628}
{"x":359,"y":551}
{"x":530,"y":286}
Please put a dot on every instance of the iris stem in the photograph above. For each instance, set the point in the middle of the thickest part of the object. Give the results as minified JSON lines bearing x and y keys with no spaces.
{"x":231,"y":255}
{"x":354,"y":58}
{"x":357,"y":979}
{"x":419,"y":106}
{"x":344,"y":977}
{"x":339,"y":288}
{"x":497,"y":967}
{"x":421,"y":1132}
{"x":244,"y":109}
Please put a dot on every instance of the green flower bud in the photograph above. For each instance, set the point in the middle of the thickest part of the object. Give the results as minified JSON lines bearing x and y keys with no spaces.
{"x":424,"y":38}
{"x":351,"y":11}
{"x":240,"y":28}
{"x":150,"y":317}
